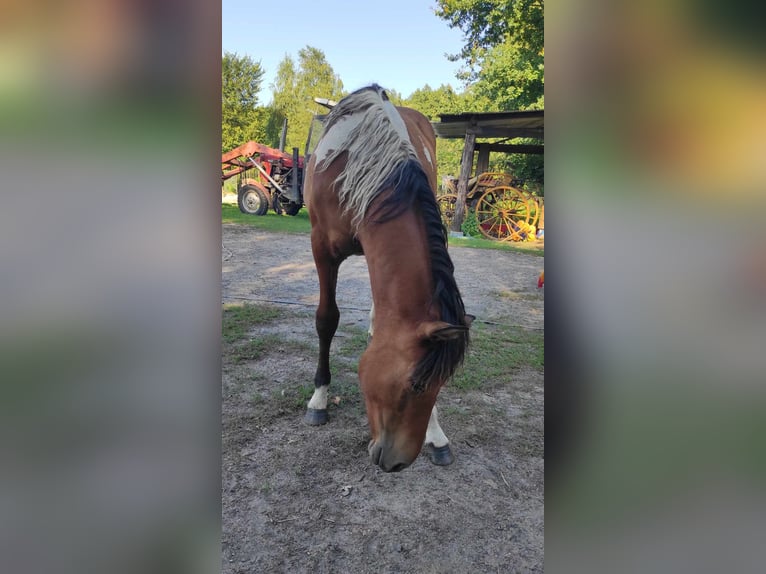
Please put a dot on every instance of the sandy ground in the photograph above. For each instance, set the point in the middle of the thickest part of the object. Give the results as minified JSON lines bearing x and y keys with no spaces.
{"x":305,"y":499}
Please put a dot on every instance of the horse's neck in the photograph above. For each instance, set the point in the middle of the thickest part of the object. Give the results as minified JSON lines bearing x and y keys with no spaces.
{"x":400,"y":271}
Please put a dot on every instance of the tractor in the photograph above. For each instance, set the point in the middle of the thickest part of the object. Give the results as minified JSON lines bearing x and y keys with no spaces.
{"x":269,"y":177}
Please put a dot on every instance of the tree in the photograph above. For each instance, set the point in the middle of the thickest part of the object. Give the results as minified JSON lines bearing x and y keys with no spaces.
{"x":504,"y":50}
{"x":241,"y":79}
{"x":504,"y":59}
{"x":295,"y":88}
{"x":432,"y":103}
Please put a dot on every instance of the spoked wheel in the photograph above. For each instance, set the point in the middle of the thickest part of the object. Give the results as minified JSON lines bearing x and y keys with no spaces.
{"x":504,"y":213}
{"x":252,"y":200}
{"x":447,"y":203}
{"x":534,"y":207}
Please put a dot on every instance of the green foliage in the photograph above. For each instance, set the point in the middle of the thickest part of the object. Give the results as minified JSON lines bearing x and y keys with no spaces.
{"x":432,"y":103}
{"x":470,"y":226}
{"x":295,"y":88}
{"x":241,"y":79}
{"x":487,"y":24}
{"x":504,"y":59}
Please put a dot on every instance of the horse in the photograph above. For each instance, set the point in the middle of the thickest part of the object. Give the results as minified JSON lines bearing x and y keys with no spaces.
{"x":370,"y":190}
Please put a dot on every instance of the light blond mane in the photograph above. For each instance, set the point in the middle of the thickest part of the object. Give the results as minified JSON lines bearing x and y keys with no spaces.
{"x":375,"y":146}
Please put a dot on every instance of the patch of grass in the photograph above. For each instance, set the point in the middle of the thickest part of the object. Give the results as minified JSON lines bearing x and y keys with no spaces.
{"x":270,"y":222}
{"x":496,"y":352}
{"x":252,"y":349}
{"x":355,"y":343}
{"x":518,"y":296}
{"x":300,"y":223}
{"x":238,"y":319}
{"x":478,"y":243}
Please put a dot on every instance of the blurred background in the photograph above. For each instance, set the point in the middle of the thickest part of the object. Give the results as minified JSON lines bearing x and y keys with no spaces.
{"x":109,"y":297}
{"x":110,"y":302}
{"x":656,"y":307}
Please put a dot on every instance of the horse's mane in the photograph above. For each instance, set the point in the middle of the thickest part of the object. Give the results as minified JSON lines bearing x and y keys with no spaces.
{"x":375,"y":148}
{"x":380,"y":159}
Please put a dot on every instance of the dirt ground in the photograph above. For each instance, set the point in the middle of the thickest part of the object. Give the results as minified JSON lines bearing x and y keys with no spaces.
{"x":307,"y":499}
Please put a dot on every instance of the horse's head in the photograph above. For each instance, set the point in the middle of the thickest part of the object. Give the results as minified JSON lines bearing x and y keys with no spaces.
{"x":398,"y":404}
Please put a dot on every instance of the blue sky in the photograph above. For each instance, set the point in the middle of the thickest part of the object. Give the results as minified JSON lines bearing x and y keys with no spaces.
{"x":399,"y":44}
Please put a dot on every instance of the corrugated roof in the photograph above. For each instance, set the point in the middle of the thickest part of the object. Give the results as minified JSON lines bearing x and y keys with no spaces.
{"x":518,"y":124}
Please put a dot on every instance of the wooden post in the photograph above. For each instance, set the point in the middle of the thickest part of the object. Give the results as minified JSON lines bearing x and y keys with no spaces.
{"x":482,"y":162}
{"x":466,"y":163}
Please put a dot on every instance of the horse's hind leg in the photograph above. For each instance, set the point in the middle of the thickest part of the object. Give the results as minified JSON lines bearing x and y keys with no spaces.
{"x":327,"y":316}
{"x":437,"y":442}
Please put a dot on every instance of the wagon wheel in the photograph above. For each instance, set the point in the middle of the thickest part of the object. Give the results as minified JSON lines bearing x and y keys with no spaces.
{"x":252,"y":200}
{"x":534,"y":207}
{"x":447,"y":203}
{"x":500,"y":211}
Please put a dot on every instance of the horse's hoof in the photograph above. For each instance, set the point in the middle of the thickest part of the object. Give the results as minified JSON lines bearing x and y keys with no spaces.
{"x":316,"y":417}
{"x":440,"y":455}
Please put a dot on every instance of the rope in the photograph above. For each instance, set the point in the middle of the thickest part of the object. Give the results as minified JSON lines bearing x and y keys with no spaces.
{"x":348,"y":308}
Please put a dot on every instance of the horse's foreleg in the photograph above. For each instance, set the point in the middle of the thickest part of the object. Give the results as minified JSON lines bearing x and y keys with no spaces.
{"x":372,"y":319}
{"x":437,"y":442}
{"x":327,"y":316}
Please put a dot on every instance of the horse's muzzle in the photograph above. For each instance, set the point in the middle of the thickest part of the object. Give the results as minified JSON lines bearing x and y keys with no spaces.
{"x":386,"y":457}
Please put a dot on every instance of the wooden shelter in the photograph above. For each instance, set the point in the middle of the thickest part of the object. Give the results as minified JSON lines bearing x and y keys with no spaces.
{"x":474,"y":125}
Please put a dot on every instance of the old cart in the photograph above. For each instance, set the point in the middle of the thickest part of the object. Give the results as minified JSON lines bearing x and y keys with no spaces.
{"x":503,"y":210}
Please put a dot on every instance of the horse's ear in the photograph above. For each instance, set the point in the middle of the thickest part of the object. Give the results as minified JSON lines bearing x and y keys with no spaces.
{"x":469,"y":319}
{"x":440,"y":331}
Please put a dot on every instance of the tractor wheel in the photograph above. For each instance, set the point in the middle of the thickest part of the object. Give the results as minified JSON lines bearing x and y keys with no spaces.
{"x":252,"y":200}
{"x":287,"y":207}
{"x":292,"y":208}
{"x":276,"y":205}
{"x":501,"y":211}
{"x":447,"y":203}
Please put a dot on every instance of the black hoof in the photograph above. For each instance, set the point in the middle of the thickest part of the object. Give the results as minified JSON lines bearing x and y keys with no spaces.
{"x":440,"y":455}
{"x":316,"y":417}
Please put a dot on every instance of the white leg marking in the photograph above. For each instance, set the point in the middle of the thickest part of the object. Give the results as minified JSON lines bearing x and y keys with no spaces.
{"x":372,"y":318}
{"x":434,"y":434}
{"x":319,"y":399}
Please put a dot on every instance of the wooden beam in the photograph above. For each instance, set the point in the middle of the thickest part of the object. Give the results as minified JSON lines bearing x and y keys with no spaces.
{"x":510,"y":148}
{"x":482,"y":162}
{"x":493,"y":132}
{"x":466,"y":163}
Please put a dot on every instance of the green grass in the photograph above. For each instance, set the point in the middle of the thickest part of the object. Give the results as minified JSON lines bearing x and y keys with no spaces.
{"x":300,"y":224}
{"x":270,"y":222}
{"x":478,"y":243}
{"x":496,"y":352}
{"x":252,"y":349}
{"x":237,"y":319}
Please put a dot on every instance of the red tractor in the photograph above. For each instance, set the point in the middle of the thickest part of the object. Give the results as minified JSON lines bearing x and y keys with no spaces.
{"x":268,"y":177}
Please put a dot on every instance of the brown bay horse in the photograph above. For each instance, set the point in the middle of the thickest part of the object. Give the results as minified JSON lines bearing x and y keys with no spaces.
{"x":370,"y":191}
